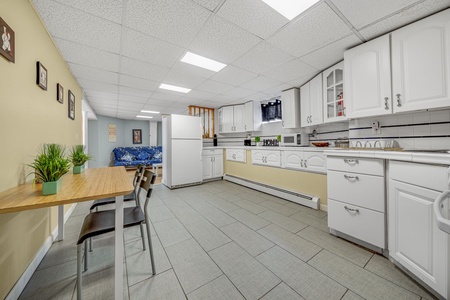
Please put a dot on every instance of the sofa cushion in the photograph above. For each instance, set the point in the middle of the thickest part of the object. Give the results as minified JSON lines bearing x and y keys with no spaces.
{"x":127,"y":157}
{"x":142,"y":155}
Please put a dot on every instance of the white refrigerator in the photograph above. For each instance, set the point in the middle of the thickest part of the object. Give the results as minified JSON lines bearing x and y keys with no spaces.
{"x":182,"y":151}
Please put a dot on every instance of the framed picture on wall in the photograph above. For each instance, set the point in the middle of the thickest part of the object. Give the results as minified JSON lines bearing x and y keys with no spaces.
{"x":71,"y":104}
{"x":59,"y":93}
{"x":137,"y":136}
{"x":41,"y":76}
{"x":7,"y":48}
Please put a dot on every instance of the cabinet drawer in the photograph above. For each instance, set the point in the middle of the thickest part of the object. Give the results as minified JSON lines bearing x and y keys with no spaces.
{"x":357,"y":189}
{"x":427,"y":176}
{"x":366,"y":225}
{"x":356,"y":165}
{"x":212,"y":152}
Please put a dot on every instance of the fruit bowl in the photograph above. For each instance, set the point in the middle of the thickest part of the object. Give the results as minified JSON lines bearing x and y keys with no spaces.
{"x":321,"y":144}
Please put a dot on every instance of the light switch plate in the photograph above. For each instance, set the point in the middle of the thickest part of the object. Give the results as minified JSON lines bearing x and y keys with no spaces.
{"x":376,"y":127}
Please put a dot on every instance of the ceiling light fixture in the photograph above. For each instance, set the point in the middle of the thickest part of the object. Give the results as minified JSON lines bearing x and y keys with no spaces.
{"x":202,"y":62}
{"x":290,"y":8}
{"x":174,"y":88}
{"x":149,"y":111}
{"x":145,"y":117}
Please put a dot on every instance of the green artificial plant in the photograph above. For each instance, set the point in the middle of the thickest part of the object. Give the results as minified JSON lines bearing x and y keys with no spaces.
{"x":78,"y":156}
{"x":50,"y":164}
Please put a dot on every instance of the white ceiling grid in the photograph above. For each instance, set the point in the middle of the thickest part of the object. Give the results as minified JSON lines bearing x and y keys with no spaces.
{"x":120,"y":51}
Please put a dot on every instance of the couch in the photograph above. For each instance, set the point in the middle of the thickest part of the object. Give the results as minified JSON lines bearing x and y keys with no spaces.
{"x":131,"y":157}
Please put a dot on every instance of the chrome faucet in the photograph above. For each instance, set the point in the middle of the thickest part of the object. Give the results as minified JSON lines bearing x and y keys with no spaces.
{"x":375,"y":145}
{"x":365,"y":144}
{"x":358,"y":142}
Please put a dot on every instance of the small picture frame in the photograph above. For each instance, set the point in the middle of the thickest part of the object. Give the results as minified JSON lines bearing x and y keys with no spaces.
{"x":7,"y":47}
{"x":71,"y":105}
{"x":41,"y":76}
{"x":137,"y":136}
{"x":59,"y":93}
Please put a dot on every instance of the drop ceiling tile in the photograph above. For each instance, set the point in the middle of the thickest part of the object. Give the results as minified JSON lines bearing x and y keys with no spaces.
{"x":98,"y":86}
{"x":142,"y":47}
{"x":137,"y":68}
{"x":212,"y":104}
{"x":222,"y":41}
{"x":85,"y":55}
{"x":84,"y":72}
{"x":160,"y":103}
{"x":182,"y":79}
{"x":138,"y":83}
{"x":191,"y":69}
{"x":313,"y":30}
{"x":97,"y":106}
{"x":159,"y":108}
{"x":212,"y":86}
{"x":233,"y":75}
{"x":260,"y":83}
{"x":107,"y":9}
{"x":262,"y":58}
{"x":363,"y":12}
{"x":171,"y":20}
{"x":130,"y":105}
{"x":165,"y":96}
{"x":259,"y":97}
{"x":405,"y":17}
{"x":276,"y":90}
{"x":92,"y":94}
{"x":223,"y":99}
{"x":301,"y":80}
{"x":254,"y":16}
{"x":290,"y":70}
{"x":196,"y":94}
{"x":71,"y":24}
{"x":134,"y":92}
{"x":209,"y":4}
{"x":130,"y":98}
{"x":99,"y":101}
{"x":238,"y":92}
{"x":331,"y":54}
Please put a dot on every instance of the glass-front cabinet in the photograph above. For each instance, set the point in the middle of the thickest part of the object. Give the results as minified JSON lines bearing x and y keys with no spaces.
{"x":333,"y":91}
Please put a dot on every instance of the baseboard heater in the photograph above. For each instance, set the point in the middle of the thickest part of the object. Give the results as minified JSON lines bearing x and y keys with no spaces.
{"x":303,"y":199}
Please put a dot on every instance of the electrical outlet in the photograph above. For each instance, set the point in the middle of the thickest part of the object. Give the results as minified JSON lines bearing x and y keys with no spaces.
{"x":376,"y":127}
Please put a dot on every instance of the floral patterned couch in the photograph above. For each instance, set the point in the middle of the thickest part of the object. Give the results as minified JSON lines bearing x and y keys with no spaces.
{"x":133,"y":156}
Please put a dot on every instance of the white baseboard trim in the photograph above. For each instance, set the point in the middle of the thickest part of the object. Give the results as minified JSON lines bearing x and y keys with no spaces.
{"x":323,"y":207}
{"x":21,"y":283}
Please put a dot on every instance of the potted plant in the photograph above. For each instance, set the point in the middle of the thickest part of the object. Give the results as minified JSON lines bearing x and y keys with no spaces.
{"x":258,"y":141}
{"x":78,"y":158}
{"x":279,"y":139}
{"x":49,"y":166}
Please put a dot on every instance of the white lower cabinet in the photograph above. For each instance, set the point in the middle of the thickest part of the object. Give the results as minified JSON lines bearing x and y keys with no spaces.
{"x":266,"y":157}
{"x":238,"y":155}
{"x":304,"y":160}
{"x":415,"y":241}
{"x":212,"y":163}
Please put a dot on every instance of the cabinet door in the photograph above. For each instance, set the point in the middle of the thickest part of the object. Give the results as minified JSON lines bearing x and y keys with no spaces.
{"x":421,"y":64}
{"x":239,"y":118}
{"x":293,"y":159}
{"x":227,"y":119}
{"x":315,"y":100}
{"x":315,"y":161}
{"x":273,"y":158}
{"x":415,"y":241}
{"x":290,"y":108}
{"x":333,"y":94}
{"x":258,"y":157}
{"x":367,"y":79}
{"x":217,"y":169}
{"x":248,"y":116}
{"x":207,"y":167}
{"x":305,"y":106}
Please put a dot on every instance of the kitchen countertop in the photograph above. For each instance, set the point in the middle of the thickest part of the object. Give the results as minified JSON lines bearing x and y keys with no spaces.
{"x":319,"y":149}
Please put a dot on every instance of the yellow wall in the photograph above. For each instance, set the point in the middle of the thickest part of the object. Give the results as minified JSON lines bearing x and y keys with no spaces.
{"x":29,"y":116}
{"x":304,"y":182}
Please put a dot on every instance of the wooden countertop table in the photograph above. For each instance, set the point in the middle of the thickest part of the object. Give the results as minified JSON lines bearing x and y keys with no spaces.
{"x":96,"y":183}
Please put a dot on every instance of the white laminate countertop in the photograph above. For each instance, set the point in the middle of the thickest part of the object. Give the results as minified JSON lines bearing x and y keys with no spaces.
{"x":318,"y":149}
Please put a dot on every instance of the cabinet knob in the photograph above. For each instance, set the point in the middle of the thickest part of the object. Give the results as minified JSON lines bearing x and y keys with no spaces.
{"x":351,"y":209}
{"x":386,"y":104}
{"x":351,"y":178}
{"x":399,"y":102}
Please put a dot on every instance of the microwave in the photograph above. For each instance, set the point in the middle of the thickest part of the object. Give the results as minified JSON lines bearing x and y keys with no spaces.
{"x":295,"y":139}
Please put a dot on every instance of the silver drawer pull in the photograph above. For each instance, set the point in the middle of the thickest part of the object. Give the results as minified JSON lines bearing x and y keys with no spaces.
{"x":355,"y":178}
{"x":351,"y":161}
{"x":351,"y":209}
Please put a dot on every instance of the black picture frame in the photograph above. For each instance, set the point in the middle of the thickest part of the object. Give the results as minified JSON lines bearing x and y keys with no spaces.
{"x":7,"y":45}
{"x":71,"y":105}
{"x":59,"y":93}
{"x":41,"y":76}
{"x":137,"y":136}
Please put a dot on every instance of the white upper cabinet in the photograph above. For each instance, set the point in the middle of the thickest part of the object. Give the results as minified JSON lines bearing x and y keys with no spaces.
{"x":333,"y":94}
{"x":367,"y":79}
{"x":226,"y":123}
{"x":238,"y":117}
{"x":311,"y":102}
{"x":290,"y":108}
{"x":252,"y":119}
{"x":421,"y":64}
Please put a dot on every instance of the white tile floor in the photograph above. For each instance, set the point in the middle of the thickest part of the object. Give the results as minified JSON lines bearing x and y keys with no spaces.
{"x":220,"y":240}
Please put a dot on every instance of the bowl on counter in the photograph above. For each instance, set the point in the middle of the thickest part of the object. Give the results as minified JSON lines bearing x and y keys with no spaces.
{"x":321,"y":144}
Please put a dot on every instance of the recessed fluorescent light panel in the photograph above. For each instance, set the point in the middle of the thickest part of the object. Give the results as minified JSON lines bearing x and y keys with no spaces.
{"x":145,"y":117}
{"x":202,"y":62}
{"x":174,"y":88}
{"x":150,"y":111}
{"x":290,"y":8}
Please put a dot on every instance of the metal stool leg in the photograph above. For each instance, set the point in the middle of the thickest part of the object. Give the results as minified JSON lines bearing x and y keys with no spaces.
{"x":79,"y":271}
{"x":90,"y":244}
{"x":142,"y":235}
{"x":150,"y":248}
{"x":85,"y":255}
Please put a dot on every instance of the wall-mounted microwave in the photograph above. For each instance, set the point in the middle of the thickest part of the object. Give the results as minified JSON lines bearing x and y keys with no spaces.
{"x":295,"y":139}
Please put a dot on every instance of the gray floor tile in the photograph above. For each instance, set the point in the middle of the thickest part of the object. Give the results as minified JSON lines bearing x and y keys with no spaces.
{"x":82,"y":208}
{"x":211,"y":188}
{"x":61,"y":252}
{"x":384,"y":268}
{"x":250,"y":277}
{"x":217,"y":217}
{"x":223,"y":204}
{"x":304,"y":279}
{"x":282,"y":292}
{"x":229,"y":196}
{"x":311,"y":220}
{"x":248,"y":239}
{"x":185,"y":213}
{"x":134,"y":233}
{"x":294,"y":244}
{"x":357,"y":279}
{"x":283,"y":221}
{"x":164,"y":286}
{"x":279,"y":208}
{"x":73,"y":225}
{"x":160,"y":213}
{"x":275,"y":199}
{"x":250,"y":206}
{"x":193,"y":266}
{"x":351,"y":296}
{"x":207,"y":235}
{"x":344,"y":249}
{"x":171,"y":232}
{"x":220,"y":288}
{"x":254,"y":197}
{"x":253,"y":221}
{"x":310,"y":211}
